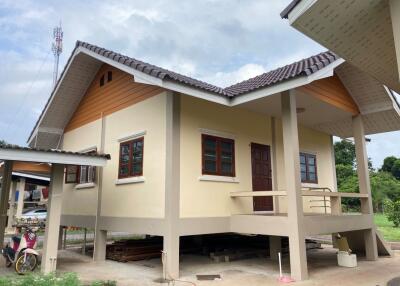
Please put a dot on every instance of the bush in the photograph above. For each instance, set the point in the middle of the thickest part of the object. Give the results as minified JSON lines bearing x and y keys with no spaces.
{"x":66,"y":279}
{"x":392,"y":211}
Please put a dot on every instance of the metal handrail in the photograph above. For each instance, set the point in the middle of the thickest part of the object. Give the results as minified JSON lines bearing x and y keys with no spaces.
{"x":325,"y":206}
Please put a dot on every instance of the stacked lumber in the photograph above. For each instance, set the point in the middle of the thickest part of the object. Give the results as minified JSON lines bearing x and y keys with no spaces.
{"x":134,"y":250}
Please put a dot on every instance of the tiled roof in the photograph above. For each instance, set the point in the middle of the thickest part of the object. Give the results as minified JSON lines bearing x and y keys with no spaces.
{"x":304,"y":67}
{"x":16,"y":147}
{"x":152,"y":70}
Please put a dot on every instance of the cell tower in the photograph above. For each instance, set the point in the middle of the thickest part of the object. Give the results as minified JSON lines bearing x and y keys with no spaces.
{"x":57,"y":50}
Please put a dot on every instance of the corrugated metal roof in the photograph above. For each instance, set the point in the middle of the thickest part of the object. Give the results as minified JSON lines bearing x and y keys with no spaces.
{"x":91,"y":154}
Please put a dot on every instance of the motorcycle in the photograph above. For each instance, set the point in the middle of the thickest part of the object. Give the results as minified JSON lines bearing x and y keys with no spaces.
{"x":22,"y":252}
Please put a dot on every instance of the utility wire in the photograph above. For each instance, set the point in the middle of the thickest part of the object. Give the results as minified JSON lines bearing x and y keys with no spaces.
{"x":21,"y":106}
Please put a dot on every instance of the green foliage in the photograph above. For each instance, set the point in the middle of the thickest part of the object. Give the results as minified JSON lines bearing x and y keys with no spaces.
{"x":388,"y":164}
{"x":343,"y":172}
{"x":396,"y":169}
{"x":390,"y":233}
{"x":66,"y":279}
{"x":345,"y":153}
{"x":392,"y":211}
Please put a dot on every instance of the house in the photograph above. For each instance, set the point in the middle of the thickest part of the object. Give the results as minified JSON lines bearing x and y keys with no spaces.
{"x":191,"y":158}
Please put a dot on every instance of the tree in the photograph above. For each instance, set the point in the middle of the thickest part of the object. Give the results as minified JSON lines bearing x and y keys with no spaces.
{"x":396,"y":169}
{"x":343,"y":172}
{"x":388,"y":164}
{"x":2,"y":143}
{"x":345,"y":153}
{"x":392,"y":210}
{"x":383,"y":187}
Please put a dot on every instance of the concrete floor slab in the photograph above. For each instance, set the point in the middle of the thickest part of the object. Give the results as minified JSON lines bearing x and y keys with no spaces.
{"x":323,"y":270}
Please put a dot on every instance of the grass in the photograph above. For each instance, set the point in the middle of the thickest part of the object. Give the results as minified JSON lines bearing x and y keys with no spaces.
{"x":66,"y":279}
{"x":390,"y":233}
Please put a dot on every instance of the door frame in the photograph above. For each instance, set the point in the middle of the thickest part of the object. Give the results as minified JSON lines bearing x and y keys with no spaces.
{"x":272,"y":176}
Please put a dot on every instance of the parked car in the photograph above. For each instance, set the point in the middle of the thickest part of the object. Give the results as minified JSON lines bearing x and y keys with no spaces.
{"x":35,"y":214}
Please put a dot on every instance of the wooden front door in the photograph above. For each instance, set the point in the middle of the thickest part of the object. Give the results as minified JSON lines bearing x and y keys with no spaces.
{"x":262,"y":175}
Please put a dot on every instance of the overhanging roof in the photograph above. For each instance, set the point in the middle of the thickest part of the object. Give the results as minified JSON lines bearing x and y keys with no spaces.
{"x":360,"y":31}
{"x":17,"y":153}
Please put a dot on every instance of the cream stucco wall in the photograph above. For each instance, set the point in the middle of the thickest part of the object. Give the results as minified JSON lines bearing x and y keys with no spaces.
{"x":82,"y":201}
{"x":142,"y":199}
{"x":210,"y":199}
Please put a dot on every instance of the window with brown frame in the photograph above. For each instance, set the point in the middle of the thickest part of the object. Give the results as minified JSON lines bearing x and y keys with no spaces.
{"x":75,"y":174}
{"x":308,"y":168}
{"x":218,"y":156}
{"x":131,"y":158}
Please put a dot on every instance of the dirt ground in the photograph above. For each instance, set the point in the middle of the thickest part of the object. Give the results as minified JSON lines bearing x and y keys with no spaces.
{"x":323,"y":270}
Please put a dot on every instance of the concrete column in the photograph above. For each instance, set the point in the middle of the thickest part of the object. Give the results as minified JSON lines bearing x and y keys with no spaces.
{"x":365,"y":186}
{"x":60,"y":237}
{"x":21,"y":194}
{"x":100,"y":235}
{"x":395,"y":15}
{"x":172,"y":190}
{"x":50,"y":244}
{"x":11,"y":209}
{"x":275,"y":246}
{"x":274,"y":164}
{"x":4,"y":195}
{"x":297,"y":246}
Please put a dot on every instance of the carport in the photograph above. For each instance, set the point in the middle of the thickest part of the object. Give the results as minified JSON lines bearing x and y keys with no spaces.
{"x":11,"y":154}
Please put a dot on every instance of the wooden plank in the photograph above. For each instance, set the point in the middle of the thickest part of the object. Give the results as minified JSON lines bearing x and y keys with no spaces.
{"x":113,"y":96}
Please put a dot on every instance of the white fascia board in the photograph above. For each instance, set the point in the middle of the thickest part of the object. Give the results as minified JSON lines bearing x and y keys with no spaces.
{"x":299,"y":10}
{"x":30,"y":176}
{"x":141,"y":77}
{"x":287,"y":85}
{"x":53,"y":95}
{"x":50,"y":130}
{"x":51,"y":157}
{"x":393,"y":99}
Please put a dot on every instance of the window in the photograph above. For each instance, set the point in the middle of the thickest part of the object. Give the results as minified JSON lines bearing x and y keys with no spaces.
{"x":131,"y":158}
{"x":102,"y":80}
{"x":308,"y":167}
{"x":218,"y":156}
{"x":75,"y":174}
{"x":109,"y":76}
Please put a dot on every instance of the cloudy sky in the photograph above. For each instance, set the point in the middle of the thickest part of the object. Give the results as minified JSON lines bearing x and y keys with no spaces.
{"x":218,"y":41}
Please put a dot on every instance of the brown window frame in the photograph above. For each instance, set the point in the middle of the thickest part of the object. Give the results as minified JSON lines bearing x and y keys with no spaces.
{"x":307,"y":165}
{"x":89,"y":170}
{"x":218,"y":171}
{"x":130,"y":161}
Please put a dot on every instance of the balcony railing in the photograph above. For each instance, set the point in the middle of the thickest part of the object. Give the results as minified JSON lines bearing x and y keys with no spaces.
{"x":335,"y":198}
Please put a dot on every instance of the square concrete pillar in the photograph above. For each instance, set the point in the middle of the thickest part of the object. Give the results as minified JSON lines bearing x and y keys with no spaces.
{"x":371,"y":248}
{"x":11,"y":209}
{"x":21,"y":195}
{"x":297,"y":246}
{"x":100,"y":245}
{"x":275,"y":246}
{"x":51,"y":237}
{"x":4,"y":195}
{"x":172,"y":187}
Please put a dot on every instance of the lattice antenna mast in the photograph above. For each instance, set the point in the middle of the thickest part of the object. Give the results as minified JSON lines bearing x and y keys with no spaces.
{"x":57,"y":50}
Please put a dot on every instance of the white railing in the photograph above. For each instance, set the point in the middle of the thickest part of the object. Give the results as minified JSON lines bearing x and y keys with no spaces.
{"x":335,"y":198}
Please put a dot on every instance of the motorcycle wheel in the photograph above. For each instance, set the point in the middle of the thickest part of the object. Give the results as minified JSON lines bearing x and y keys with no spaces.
{"x":22,"y":267}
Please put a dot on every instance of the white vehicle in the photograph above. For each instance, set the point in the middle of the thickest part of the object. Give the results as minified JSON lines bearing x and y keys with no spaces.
{"x":35,"y":214}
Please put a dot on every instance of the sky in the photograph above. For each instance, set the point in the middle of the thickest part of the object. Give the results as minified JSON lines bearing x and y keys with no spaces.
{"x":217,"y":41}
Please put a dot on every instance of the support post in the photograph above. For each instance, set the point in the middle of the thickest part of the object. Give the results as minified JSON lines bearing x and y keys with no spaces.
{"x":60,"y":237}
{"x":100,"y":235}
{"x":11,"y":209}
{"x":21,"y":195}
{"x":274,"y":164}
{"x":371,"y":248}
{"x":172,"y":190}
{"x":50,"y":244}
{"x":275,"y":246}
{"x":395,"y":16}
{"x":297,"y":246}
{"x":65,"y":238}
{"x":84,"y":241}
{"x":4,"y":195}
